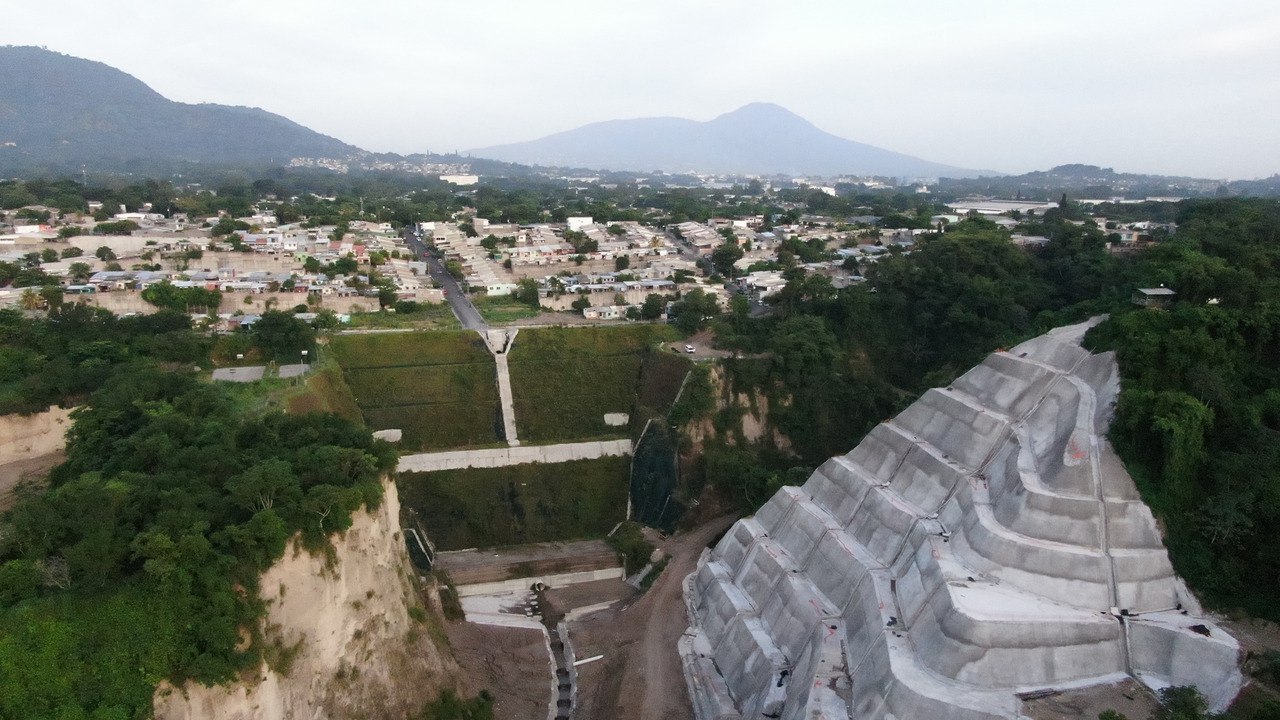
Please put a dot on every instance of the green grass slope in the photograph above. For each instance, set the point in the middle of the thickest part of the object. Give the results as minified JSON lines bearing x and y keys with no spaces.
{"x":438,"y":387}
{"x":565,"y":379}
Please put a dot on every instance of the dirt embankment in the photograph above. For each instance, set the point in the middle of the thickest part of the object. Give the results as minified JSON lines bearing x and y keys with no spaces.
{"x":23,"y":437}
{"x":341,"y":641}
{"x":739,"y":418}
{"x":30,"y":445}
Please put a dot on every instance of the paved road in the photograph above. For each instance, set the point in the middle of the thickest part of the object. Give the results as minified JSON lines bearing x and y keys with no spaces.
{"x":466,"y":313}
{"x":244,"y":374}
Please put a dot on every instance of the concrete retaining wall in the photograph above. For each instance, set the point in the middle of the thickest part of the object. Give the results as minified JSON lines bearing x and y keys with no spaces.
{"x":501,"y":457}
{"x":517,"y":585}
{"x":980,"y":544}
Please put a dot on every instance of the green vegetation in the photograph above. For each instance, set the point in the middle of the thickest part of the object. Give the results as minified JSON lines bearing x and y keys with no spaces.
{"x":325,"y":391}
{"x":78,"y":348}
{"x":501,"y":309}
{"x":423,"y":317}
{"x":281,"y":337}
{"x":698,"y":399}
{"x":661,"y":376}
{"x":185,"y":300}
{"x":450,"y":707}
{"x":450,"y":604}
{"x":485,"y":507}
{"x":118,"y":227}
{"x":654,"y":574}
{"x":694,"y":311}
{"x":439,"y":388}
{"x":1185,"y":703}
{"x":565,"y":379}
{"x":1198,"y":420}
{"x":140,"y":562}
{"x":629,"y":541}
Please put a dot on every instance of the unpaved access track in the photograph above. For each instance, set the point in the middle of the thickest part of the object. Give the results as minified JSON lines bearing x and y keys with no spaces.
{"x":640,"y":675}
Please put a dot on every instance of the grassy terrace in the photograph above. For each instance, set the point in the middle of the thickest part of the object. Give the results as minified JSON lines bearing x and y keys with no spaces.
{"x":565,"y":379}
{"x":500,"y":309}
{"x":486,"y":507}
{"x":438,"y":387}
{"x":427,"y":317}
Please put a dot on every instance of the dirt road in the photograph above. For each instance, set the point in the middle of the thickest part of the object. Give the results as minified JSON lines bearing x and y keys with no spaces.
{"x":640,"y":676}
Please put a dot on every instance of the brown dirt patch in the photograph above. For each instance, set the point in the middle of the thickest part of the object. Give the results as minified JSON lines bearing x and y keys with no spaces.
{"x":1129,"y":697}
{"x":568,"y":598}
{"x":511,"y":663}
{"x":32,"y":470}
{"x":468,"y":567}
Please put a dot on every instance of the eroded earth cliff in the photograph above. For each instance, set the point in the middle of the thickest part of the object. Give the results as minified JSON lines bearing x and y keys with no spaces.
{"x":341,"y":640}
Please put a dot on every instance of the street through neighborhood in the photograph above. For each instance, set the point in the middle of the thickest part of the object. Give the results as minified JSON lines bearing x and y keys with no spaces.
{"x":466,"y":312}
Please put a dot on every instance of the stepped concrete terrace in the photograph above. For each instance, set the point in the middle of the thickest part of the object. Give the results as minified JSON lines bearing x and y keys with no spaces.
{"x":983,"y":546}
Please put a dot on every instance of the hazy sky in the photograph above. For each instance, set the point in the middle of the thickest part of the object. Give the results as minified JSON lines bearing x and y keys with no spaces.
{"x":1166,"y":86}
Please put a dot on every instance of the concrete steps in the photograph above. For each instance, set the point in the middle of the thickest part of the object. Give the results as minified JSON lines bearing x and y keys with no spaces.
{"x":970,"y":549}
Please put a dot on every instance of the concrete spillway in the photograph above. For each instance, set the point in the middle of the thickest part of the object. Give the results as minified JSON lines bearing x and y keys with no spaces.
{"x":983,"y":545}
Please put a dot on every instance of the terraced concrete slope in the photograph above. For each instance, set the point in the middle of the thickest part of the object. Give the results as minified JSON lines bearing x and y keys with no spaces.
{"x":984,"y":544}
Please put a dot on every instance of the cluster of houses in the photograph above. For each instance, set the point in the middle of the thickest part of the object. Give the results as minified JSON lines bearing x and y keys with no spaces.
{"x":292,"y":258}
{"x":491,"y":251}
{"x":271,"y":258}
{"x":225,"y":280}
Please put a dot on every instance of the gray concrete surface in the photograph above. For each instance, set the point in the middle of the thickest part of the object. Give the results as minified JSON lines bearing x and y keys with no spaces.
{"x":295,"y":370}
{"x":501,"y":457}
{"x":250,"y":373}
{"x":499,"y":342}
{"x":984,"y":543}
{"x":507,"y":401}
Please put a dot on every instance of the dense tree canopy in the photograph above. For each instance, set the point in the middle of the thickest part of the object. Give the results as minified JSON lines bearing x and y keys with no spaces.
{"x":168,"y":296}
{"x":126,"y":571}
{"x":1198,"y":421}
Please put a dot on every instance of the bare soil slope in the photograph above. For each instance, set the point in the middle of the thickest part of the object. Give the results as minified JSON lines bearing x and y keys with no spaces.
{"x":343,"y":644}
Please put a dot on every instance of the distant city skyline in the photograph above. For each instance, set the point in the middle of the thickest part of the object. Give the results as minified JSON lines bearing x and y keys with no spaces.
{"x":1177,"y":88}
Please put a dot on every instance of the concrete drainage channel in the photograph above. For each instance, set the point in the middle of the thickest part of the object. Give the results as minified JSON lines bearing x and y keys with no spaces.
{"x":566,"y":677}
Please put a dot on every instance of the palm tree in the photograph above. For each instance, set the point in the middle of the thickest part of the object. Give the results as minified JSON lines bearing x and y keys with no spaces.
{"x":31,"y":300}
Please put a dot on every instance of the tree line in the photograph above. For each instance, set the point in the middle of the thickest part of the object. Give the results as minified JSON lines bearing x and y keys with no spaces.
{"x":140,"y":561}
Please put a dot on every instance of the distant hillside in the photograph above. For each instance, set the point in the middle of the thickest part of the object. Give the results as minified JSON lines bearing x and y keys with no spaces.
{"x":1090,"y":181}
{"x":60,"y":112}
{"x":756,"y":139}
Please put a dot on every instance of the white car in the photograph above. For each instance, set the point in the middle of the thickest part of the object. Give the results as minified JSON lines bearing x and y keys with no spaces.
{"x":688,"y":348}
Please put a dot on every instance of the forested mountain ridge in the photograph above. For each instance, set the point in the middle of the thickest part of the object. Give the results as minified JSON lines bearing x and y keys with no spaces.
{"x":61,"y":112}
{"x":1091,"y":181}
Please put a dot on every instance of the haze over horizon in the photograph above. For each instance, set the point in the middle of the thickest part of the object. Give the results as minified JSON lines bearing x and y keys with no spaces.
{"x":1177,"y":88}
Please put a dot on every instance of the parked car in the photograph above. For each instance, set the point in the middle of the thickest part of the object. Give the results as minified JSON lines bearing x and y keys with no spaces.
{"x":688,"y":348}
